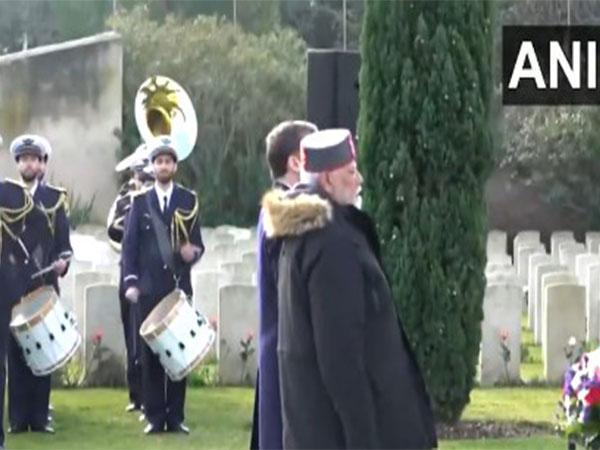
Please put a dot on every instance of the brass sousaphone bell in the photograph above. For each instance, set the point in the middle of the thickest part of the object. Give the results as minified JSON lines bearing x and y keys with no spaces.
{"x":162,"y":107}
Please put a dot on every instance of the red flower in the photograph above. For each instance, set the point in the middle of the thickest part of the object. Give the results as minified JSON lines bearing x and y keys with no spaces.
{"x":97,"y":337}
{"x":503,"y":335}
{"x":249,"y":336}
{"x":593,"y":396}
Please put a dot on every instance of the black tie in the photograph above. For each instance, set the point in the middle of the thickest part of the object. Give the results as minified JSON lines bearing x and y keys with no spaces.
{"x":165,"y":204}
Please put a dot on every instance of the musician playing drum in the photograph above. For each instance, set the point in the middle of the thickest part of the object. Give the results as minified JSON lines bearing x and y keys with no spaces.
{"x":162,"y":241}
{"x":29,"y":395}
{"x":16,"y":214}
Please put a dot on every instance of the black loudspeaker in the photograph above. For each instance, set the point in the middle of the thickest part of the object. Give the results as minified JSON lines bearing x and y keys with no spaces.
{"x":332,"y":91}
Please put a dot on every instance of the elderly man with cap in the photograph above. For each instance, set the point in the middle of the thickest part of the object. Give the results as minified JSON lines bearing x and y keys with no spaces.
{"x":162,"y":242}
{"x":142,"y":177}
{"x":29,"y":395}
{"x":348,"y":376}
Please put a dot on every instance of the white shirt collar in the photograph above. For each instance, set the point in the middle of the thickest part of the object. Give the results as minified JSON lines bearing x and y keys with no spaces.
{"x":34,"y":187}
{"x":163,"y":193}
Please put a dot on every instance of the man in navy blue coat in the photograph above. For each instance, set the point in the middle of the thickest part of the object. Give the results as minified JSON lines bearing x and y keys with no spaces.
{"x":151,"y":274}
{"x":17,"y":213}
{"x":283,"y":158}
{"x":29,"y":395}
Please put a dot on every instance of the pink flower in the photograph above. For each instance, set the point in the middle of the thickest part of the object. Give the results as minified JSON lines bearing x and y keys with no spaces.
{"x":97,"y":337}
{"x":213,"y":323}
{"x":249,"y":336}
{"x":503,"y":335}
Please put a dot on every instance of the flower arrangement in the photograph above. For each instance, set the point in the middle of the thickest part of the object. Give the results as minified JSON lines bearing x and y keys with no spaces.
{"x":580,"y":404}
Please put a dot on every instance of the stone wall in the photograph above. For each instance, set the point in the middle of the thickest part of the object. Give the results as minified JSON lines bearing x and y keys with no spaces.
{"x":70,"y":93}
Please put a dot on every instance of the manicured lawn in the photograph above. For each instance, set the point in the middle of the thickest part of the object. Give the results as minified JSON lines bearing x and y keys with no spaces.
{"x":95,"y":419}
{"x":220,"y":418}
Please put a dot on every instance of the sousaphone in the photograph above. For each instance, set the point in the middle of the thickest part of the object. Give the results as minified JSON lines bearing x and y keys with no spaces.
{"x":162,"y":107}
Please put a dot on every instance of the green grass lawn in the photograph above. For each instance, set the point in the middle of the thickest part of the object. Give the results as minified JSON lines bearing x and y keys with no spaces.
{"x":96,"y":419}
{"x":512,"y":404}
{"x":220,"y":419}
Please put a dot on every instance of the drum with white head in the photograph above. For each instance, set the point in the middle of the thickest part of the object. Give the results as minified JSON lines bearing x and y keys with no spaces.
{"x":45,"y":331}
{"x":178,"y":334}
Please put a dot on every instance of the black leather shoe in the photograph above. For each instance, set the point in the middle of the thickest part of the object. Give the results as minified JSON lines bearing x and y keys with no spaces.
{"x":15,"y":429}
{"x":132,"y":407}
{"x":45,"y":429}
{"x":152,"y":429}
{"x":179,"y":428}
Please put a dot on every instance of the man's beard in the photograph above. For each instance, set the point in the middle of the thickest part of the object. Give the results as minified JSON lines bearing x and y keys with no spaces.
{"x":162,"y":178}
{"x":27,"y":178}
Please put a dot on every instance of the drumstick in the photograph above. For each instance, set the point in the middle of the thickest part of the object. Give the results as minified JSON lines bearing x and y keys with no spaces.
{"x":42,"y":272}
{"x":47,"y":269}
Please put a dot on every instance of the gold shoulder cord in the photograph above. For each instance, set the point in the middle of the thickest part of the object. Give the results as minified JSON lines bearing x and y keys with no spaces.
{"x":50,"y":212}
{"x":183,"y":222}
{"x":9,"y":216}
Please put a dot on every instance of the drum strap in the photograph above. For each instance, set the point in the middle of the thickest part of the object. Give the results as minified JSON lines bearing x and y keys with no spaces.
{"x":162,"y":237}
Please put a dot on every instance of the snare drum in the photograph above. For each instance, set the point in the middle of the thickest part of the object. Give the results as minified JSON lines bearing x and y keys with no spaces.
{"x":45,"y":331}
{"x":179,"y":335}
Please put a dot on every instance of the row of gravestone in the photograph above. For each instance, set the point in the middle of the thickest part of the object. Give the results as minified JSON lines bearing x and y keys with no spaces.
{"x":560,"y":293}
{"x":224,"y":291}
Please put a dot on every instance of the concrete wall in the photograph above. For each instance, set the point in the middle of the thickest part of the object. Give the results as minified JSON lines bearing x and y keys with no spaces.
{"x":71,"y":93}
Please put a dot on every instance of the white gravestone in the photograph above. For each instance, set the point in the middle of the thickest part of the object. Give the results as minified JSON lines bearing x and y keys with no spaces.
{"x":557,"y":238}
{"x":501,"y":325}
{"x":103,"y":315}
{"x":541,"y":270}
{"x":592,"y":242}
{"x":238,"y":320}
{"x":566,"y":319}
{"x":496,"y":244}
{"x":548,"y":280}
{"x":534,"y":261}
{"x":82,"y":281}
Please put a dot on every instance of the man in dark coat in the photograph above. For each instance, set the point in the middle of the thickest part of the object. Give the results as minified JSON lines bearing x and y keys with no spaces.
{"x":348,"y":376}
{"x":28,"y":394}
{"x":17,"y":213}
{"x":283,"y":158}
{"x":162,"y":241}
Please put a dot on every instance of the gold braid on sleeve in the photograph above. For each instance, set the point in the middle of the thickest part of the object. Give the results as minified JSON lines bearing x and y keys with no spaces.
{"x":10,"y":216}
{"x":183,"y":222}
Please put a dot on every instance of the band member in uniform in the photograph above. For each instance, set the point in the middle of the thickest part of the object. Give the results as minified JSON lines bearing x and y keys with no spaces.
{"x":283,"y":159}
{"x":17,"y":213}
{"x":141,"y":178}
{"x":162,"y":241}
{"x":29,"y":395}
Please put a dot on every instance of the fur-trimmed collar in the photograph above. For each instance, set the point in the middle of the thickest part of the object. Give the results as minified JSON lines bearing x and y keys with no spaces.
{"x":294,"y":215}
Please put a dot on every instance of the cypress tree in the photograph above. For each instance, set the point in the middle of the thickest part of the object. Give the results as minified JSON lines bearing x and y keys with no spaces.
{"x":426,"y":152}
